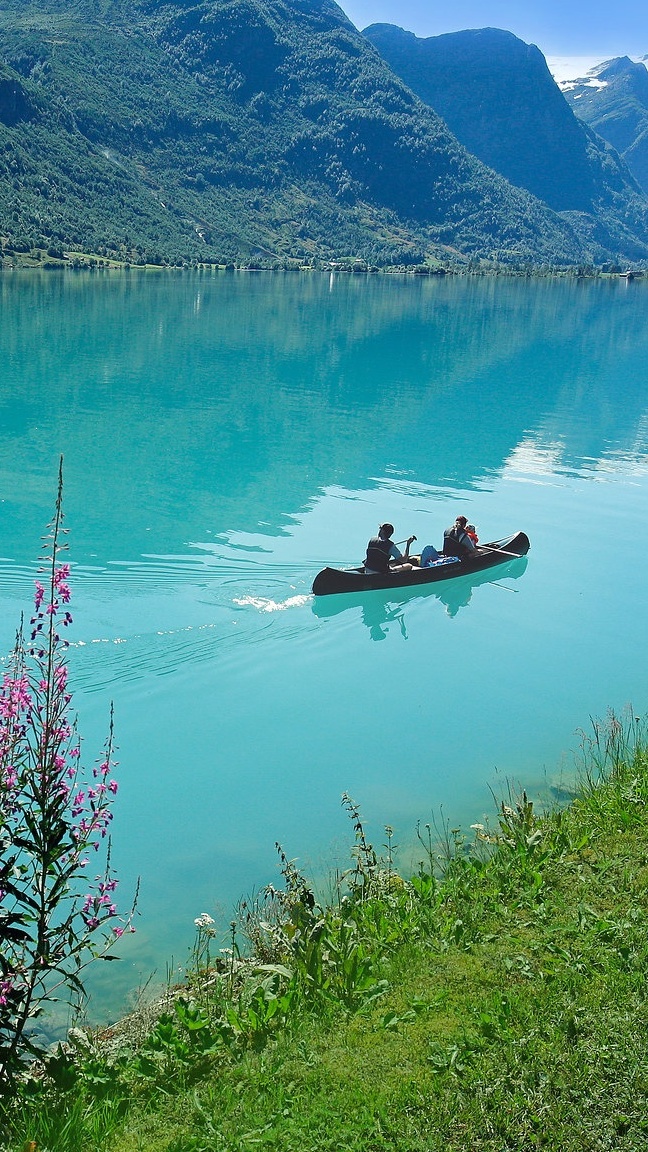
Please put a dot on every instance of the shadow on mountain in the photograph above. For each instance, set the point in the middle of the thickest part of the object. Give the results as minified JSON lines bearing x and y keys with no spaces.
{"x":499,"y":99}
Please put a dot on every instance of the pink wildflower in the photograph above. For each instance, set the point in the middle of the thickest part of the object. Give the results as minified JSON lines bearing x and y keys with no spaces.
{"x":6,"y":986}
{"x":14,"y":696}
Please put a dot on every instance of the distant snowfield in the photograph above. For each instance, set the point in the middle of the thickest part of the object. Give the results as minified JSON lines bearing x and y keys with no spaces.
{"x":565,"y":68}
{"x":569,"y":68}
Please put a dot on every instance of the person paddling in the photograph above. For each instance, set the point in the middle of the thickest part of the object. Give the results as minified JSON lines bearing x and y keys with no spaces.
{"x":385,"y":556}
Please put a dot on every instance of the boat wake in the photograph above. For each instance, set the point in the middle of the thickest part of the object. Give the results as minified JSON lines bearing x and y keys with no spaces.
{"x":263,"y":604}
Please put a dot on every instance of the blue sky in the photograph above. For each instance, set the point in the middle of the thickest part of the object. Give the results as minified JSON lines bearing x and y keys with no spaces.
{"x":598,"y":28}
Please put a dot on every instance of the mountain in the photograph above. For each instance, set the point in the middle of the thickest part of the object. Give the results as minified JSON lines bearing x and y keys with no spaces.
{"x":249,"y":130}
{"x":613,"y":99}
{"x":238,"y":129}
{"x":497,"y":96}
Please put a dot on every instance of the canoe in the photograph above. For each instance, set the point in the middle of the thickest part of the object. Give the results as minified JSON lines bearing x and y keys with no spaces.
{"x":387,"y":604}
{"x":332,"y":581}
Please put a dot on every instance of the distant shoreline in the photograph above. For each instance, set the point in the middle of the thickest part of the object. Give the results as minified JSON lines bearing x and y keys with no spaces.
{"x":87,"y":262}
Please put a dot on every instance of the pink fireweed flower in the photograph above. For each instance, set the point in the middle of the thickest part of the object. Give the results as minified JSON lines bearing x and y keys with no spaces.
{"x":14,"y":696}
{"x":77,"y":805}
{"x":39,"y":596}
{"x":62,"y":733}
{"x":61,"y":587}
{"x":11,"y":778}
{"x":6,"y":986}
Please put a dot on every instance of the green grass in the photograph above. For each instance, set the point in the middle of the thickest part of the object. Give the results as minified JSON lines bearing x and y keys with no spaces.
{"x":500,"y":1007}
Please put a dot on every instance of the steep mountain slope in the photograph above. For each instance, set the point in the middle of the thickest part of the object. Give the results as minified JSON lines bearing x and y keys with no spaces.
{"x":57,"y":188}
{"x":240,"y":128}
{"x":613,"y":100}
{"x":498,"y":97}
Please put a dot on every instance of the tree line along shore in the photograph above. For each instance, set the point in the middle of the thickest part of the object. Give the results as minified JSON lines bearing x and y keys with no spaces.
{"x":56,"y":260}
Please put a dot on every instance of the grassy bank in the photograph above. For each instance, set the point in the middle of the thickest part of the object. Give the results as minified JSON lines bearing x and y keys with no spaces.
{"x":495,"y":1000}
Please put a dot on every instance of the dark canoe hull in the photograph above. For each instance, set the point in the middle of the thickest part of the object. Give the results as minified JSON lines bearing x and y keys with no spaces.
{"x":332,"y":581}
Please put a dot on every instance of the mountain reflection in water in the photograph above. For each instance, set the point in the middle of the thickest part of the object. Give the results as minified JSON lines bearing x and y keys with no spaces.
{"x":195,"y":406}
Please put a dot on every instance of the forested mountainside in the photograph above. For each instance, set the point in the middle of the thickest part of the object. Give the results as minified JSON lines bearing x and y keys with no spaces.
{"x":261,"y":130}
{"x":498,"y":97}
{"x":613,"y":100}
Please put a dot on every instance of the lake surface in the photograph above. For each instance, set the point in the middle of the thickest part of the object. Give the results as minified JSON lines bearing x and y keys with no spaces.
{"x":227,"y":435}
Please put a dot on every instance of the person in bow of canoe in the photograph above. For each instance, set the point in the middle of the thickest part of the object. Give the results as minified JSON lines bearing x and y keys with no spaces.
{"x":385,"y":556}
{"x":457,"y":542}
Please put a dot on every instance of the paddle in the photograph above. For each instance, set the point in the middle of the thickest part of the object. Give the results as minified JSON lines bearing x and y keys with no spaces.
{"x":406,"y":555}
{"x":488,"y":548}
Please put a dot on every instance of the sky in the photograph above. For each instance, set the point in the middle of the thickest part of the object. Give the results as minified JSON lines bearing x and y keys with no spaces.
{"x":596,"y":29}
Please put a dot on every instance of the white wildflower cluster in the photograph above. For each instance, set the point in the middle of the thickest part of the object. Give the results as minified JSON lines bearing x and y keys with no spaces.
{"x":205,"y":923}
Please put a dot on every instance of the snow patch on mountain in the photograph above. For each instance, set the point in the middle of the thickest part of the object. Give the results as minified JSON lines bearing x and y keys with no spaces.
{"x":571,"y":72}
{"x":566,"y":69}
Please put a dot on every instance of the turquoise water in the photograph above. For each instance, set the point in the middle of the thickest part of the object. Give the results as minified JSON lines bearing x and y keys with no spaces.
{"x":226,"y":436}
